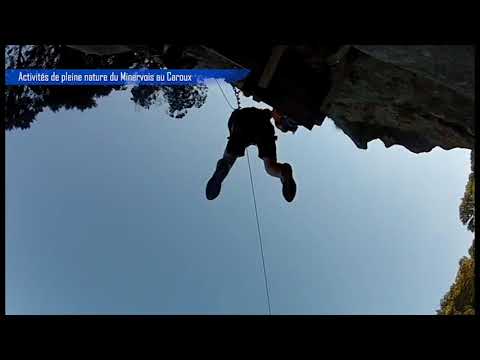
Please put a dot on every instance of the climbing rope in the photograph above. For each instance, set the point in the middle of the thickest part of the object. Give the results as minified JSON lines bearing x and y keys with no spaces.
{"x":225,"y":97}
{"x":259,"y":236}
{"x":237,"y":95}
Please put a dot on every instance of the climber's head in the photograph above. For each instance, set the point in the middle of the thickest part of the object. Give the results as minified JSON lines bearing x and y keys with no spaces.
{"x":278,"y":120}
{"x":283,"y":123}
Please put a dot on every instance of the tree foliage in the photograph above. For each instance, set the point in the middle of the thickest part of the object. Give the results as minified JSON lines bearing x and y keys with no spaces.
{"x":467,"y":205}
{"x":24,"y":103}
{"x":460,"y":299}
{"x":179,"y":98}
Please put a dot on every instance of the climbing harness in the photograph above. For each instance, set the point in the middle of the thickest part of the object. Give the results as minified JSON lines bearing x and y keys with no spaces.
{"x":237,"y":95}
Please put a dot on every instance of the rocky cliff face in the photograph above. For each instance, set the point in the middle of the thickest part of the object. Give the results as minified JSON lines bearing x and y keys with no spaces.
{"x":381,"y":100}
{"x":419,"y":97}
{"x":450,"y":65}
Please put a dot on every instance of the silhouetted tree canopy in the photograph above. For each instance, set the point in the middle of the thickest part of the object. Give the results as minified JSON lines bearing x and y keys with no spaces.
{"x":467,"y":206}
{"x":460,"y":299}
{"x":179,"y":98}
{"x":24,"y":103}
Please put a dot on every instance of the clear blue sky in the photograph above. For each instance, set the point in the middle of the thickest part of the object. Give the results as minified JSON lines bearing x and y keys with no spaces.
{"x":106,"y":214}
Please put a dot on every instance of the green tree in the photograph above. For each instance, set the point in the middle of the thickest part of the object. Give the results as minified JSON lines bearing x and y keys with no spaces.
{"x":467,"y":206}
{"x":460,"y":299}
{"x":24,"y":103}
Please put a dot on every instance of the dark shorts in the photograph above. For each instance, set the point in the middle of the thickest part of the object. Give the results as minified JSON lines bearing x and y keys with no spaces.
{"x":266,"y":146}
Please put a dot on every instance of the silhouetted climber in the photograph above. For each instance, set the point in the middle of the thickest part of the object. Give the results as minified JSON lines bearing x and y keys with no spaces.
{"x":251,"y":126}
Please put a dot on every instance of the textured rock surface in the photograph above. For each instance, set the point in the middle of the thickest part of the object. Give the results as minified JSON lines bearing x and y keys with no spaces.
{"x":451,"y":65}
{"x":102,"y":49}
{"x":379,"y":100}
{"x":416,"y":96}
{"x":419,"y":97}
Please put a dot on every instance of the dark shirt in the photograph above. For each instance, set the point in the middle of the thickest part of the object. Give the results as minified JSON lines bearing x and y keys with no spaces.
{"x":251,"y":126}
{"x":251,"y":122}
